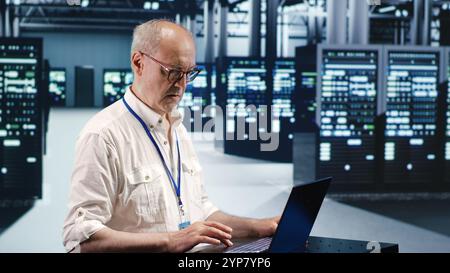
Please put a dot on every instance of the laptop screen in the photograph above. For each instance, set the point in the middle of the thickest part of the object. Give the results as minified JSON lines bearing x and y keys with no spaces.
{"x":298,"y":217}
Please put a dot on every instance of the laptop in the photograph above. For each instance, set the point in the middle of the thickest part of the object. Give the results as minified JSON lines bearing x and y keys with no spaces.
{"x":295,"y":224}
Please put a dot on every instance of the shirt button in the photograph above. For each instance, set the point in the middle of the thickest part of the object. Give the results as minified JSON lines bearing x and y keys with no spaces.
{"x":165,"y":142}
{"x":147,"y":177}
{"x":151,"y":126}
{"x":159,"y":120}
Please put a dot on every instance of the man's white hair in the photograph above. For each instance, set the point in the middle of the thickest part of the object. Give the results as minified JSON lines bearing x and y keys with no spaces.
{"x":147,"y":36}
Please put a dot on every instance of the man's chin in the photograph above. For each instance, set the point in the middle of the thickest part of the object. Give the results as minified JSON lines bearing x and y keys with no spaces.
{"x":170,"y":107}
{"x":171,"y":103}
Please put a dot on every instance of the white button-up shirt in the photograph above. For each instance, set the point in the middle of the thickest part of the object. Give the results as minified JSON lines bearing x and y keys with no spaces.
{"x":119,"y":180}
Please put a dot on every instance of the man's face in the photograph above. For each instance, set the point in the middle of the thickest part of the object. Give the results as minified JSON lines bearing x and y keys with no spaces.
{"x":162,"y":94}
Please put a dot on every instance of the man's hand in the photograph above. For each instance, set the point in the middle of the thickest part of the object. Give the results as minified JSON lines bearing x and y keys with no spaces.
{"x":266,"y":227}
{"x":209,"y":232}
{"x":247,"y":227}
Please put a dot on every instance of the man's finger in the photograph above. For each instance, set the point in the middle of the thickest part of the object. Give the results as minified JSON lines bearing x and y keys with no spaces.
{"x":216,"y":233}
{"x":220,"y":226}
{"x":209,"y":240}
{"x":277,"y":219}
{"x":227,"y":243}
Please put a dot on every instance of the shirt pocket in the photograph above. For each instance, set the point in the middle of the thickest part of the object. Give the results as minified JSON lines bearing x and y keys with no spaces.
{"x":145,"y":194}
{"x":192,"y":172}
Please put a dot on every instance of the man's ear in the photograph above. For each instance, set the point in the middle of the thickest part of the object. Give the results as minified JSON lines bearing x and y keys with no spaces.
{"x":137,"y":63}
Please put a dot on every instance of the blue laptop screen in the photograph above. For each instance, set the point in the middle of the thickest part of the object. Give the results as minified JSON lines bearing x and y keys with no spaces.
{"x":298,"y":217}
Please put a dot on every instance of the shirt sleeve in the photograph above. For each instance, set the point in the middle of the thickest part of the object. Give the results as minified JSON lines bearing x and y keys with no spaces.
{"x":93,"y":190}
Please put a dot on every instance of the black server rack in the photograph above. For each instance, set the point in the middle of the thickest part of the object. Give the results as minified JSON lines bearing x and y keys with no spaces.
{"x":411,"y":142}
{"x":84,"y":86}
{"x":115,"y":83}
{"x":349,"y":80}
{"x":21,"y":118}
{"x":57,"y":87}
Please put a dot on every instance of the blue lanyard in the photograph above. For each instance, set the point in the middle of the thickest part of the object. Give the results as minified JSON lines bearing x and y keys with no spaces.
{"x":177,"y":185}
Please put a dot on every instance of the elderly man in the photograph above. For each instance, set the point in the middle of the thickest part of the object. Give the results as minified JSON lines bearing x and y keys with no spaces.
{"x":136,"y":184}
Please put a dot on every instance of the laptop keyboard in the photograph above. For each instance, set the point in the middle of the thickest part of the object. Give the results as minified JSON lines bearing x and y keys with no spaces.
{"x":257,"y":246}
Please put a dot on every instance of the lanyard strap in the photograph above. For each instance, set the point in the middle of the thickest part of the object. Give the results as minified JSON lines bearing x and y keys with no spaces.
{"x":176,"y":185}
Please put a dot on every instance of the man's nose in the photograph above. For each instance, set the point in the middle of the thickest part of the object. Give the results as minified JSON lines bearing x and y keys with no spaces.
{"x":181,"y":83}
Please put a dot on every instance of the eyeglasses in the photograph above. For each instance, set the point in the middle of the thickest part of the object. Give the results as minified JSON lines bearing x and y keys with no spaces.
{"x":175,"y":75}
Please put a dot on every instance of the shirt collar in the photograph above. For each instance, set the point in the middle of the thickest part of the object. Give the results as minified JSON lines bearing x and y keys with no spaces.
{"x":149,"y":116}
